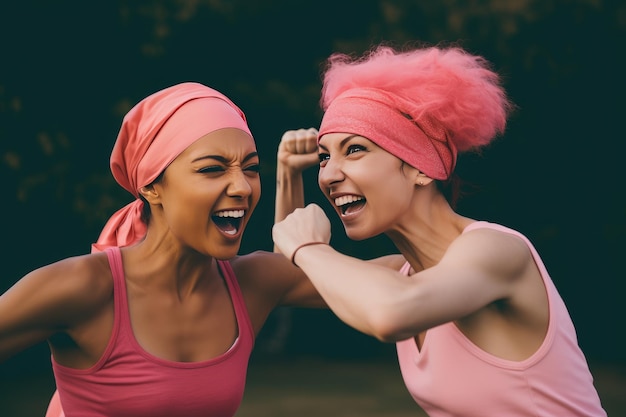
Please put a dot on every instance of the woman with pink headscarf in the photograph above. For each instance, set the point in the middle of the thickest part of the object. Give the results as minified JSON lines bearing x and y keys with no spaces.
{"x":160,"y":319}
{"x":479,"y":326}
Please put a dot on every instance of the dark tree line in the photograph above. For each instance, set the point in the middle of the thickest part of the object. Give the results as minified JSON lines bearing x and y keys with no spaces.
{"x":70,"y":70}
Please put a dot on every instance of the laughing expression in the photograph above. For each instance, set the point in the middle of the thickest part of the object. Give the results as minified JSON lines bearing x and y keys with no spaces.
{"x":369,"y":188}
{"x":209,"y":191}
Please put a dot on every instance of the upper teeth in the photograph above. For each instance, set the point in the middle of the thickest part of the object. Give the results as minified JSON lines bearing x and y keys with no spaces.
{"x":230,"y":213}
{"x":345,"y":199}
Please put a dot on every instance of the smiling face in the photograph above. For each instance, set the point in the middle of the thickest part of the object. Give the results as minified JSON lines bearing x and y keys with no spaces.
{"x":209,"y":191}
{"x":370,"y":189}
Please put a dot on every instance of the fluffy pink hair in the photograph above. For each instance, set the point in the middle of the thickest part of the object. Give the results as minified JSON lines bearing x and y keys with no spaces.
{"x":457,"y":89}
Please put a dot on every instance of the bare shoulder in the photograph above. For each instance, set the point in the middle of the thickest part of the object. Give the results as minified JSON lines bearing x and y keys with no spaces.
{"x":53,"y":299}
{"x":502,"y":253}
{"x":82,"y":272}
{"x":79,"y":283}
{"x":269,"y":279}
{"x":264,"y":267}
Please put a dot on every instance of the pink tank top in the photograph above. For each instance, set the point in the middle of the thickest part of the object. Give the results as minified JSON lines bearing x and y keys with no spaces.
{"x":451,"y":376}
{"x":128,"y":381}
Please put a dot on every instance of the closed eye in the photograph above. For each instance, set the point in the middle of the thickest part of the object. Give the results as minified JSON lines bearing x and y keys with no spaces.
{"x":255,"y":168}
{"x":211,"y":169}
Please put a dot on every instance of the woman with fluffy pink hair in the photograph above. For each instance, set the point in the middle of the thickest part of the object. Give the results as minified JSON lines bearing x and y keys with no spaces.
{"x":479,"y":326}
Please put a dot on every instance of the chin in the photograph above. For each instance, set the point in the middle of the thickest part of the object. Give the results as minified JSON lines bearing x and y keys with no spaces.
{"x":355,"y":235}
{"x":224,"y":253}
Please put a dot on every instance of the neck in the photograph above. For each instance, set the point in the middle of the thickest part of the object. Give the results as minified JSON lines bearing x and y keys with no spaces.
{"x":163,"y":266}
{"x":423,"y":237}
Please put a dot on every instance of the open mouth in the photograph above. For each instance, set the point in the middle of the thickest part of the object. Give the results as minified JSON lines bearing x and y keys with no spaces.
{"x":349,"y":204}
{"x":228,"y":221}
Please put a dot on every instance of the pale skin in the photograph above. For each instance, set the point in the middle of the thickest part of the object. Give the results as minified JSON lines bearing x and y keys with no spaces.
{"x":297,"y":151}
{"x":485,"y":281}
{"x":179,"y":304}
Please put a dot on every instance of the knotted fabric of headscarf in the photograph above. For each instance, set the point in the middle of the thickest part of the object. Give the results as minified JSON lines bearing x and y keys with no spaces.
{"x":386,"y":120}
{"x":152,"y":135}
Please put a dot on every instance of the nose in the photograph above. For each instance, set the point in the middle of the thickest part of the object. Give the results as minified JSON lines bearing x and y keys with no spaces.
{"x":329,"y":174}
{"x":239,"y":185}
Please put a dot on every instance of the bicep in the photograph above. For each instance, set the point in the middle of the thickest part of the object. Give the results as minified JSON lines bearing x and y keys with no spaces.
{"x":473,"y":274}
{"x":273,"y":279}
{"x":304,"y":294}
{"x":299,"y":290}
{"x":393,"y":261}
{"x":265,"y":285}
{"x":446,"y":294}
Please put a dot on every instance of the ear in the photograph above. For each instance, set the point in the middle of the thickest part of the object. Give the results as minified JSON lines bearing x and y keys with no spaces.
{"x":150,"y":194}
{"x":422,"y":179}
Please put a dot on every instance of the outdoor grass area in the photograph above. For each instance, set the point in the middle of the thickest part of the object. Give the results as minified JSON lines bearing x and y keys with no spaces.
{"x":309,"y":388}
{"x":316,"y":387}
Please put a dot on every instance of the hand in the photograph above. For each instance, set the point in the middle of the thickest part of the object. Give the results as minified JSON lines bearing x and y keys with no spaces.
{"x":297,"y":150}
{"x":308,"y":224}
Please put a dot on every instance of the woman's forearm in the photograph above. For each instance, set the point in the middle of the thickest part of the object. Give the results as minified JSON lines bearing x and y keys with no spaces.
{"x":289,"y":192}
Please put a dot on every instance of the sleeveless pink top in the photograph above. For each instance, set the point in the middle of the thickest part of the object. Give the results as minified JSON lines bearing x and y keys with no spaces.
{"x":128,"y":381}
{"x":450,"y":376}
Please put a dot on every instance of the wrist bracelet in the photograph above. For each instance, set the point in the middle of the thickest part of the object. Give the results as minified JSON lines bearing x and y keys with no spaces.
{"x":293,"y":254}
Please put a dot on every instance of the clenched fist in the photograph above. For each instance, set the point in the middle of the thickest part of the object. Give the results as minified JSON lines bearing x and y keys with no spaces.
{"x":308,"y":224}
{"x":297,"y":150}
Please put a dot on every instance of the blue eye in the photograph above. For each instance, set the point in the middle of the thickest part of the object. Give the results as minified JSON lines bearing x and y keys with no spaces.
{"x":354,"y":148}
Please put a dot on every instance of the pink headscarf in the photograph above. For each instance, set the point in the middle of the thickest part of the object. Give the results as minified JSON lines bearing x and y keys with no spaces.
{"x":153,"y":134}
{"x":378,"y":116}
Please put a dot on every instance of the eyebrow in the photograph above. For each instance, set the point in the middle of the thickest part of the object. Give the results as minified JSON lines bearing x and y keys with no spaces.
{"x":224,"y":160}
{"x":342,"y":143}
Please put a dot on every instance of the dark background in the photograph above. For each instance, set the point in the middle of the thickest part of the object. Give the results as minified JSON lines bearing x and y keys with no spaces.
{"x":69,"y":71}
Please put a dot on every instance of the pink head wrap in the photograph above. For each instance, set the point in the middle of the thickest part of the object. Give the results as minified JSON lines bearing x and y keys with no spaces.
{"x":378,"y":116}
{"x":153,"y":134}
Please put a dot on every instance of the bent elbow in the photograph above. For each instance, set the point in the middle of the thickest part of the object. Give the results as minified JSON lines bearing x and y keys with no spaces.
{"x":386,"y":328}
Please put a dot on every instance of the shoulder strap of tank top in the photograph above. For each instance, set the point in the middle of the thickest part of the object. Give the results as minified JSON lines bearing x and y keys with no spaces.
{"x":241,"y":311}
{"x":122,"y":318}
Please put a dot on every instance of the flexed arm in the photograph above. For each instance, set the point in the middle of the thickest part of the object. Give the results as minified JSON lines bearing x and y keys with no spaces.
{"x":297,"y":151}
{"x":479,"y":268}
